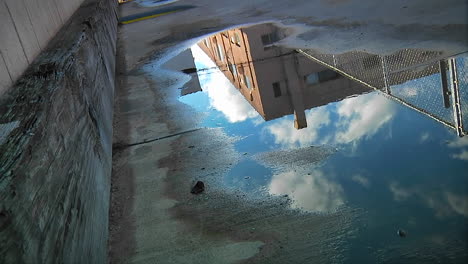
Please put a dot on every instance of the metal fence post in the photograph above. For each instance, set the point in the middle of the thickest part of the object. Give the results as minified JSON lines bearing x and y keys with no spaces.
{"x":457,"y":113}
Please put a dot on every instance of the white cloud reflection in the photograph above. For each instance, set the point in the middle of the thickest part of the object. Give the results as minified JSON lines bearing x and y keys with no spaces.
{"x":285,"y":133}
{"x":361,"y":180}
{"x":458,"y":203}
{"x":407,"y":91}
{"x":224,"y":97}
{"x":399,"y":193}
{"x":459,"y":142}
{"x":363,"y":116}
{"x":462,"y":155}
{"x":311,"y":192}
{"x":462,"y":145}
{"x":257,"y":121}
{"x":358,"y":117}
{"x":424,"y":137}
{"x":444,"y":203}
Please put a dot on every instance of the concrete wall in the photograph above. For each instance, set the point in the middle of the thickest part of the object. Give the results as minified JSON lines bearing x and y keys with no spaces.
{"x":55,"y":146}
{"x":26,"y":26}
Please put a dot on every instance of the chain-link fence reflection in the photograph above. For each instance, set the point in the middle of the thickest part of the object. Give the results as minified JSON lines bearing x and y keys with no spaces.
{"x":462,"y":70}
{"x":425,"y":81}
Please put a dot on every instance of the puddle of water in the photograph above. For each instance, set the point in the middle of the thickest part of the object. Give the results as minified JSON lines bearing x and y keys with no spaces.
{"x":248,"y":175}
{"x":375,"y":150}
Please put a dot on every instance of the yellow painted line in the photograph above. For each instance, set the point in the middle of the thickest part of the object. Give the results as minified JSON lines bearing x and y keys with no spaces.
{"x":148,"y":17}
{"x":123,"y":2}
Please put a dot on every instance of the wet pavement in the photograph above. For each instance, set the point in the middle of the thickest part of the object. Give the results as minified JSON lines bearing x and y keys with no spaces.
{"x":305,"y":156}
{"x":369,"y":152}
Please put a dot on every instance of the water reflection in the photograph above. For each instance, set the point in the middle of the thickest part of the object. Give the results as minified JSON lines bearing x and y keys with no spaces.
{"x":444,"y":203}
{"x":274,"y":80}
{"x":428,"y":82}
{"x":277,"y":81}
{"x":226,"y":99}
{"x":353,"y":119}
{"x":460,"y":145}
{"x":378,"y":152}
{"x":363,"y":181}
{"x":311,"y":191}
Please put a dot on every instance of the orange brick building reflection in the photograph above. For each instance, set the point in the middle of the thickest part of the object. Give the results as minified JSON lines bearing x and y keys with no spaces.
{"x":275,"y":81}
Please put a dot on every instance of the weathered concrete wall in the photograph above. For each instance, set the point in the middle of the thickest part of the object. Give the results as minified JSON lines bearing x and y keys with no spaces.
{"x":26,"y":26}
{"x":55,"y":146}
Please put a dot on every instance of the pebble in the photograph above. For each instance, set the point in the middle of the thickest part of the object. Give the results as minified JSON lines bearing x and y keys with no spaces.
{"x":198,"y":188}
{"x":401,"y":233}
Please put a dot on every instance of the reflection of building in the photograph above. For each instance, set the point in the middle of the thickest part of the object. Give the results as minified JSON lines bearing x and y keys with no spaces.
{"x":425,"y":81}
{"x":275,"y":81}
{"x":184,"y":61}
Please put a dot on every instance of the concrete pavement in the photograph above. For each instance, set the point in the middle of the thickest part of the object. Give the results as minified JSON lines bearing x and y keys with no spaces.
{"x":154,"y":218}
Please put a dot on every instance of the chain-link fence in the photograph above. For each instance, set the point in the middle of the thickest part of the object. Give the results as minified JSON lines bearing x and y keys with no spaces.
{"x":425,"y":81}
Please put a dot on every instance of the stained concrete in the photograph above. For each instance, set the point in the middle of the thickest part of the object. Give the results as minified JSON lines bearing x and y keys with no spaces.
{"x":154,"y":218}
{"x":26,"y":27}
{"x":55,"y":148}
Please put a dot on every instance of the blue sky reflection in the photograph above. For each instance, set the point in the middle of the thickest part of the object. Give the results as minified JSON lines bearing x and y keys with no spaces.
{"x":387,"y":154}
